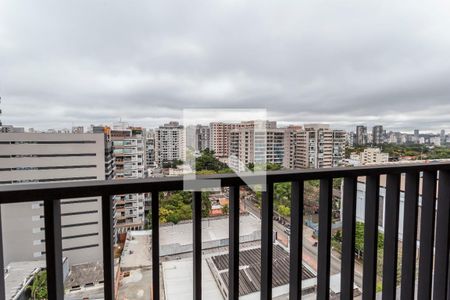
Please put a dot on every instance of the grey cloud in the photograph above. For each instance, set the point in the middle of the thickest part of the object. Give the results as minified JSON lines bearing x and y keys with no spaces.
{"x":83,"y":62}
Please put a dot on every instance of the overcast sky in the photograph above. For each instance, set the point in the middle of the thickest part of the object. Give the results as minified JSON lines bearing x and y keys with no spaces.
{"x":65,"y":63}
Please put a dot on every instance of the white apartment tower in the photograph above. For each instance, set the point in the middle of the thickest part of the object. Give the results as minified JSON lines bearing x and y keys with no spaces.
{"x":40,"y":158}
{"x":256,"y":142}
{"x":170,"y":143}
{"x":373,"y":156}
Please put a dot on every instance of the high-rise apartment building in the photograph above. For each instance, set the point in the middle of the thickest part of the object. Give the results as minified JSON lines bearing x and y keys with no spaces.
{"x":351,"y":139}
{"x":256,"y":142}
{"x":202,"y":137}
{"x":377,"y":135}
{"x":361,"y":135}
{"x":129,"y":154}
{"x":290,"y":136}
{"x":220,"y":134}
{"x":416,"y":136}
{"x":41,"y":157}
{"x":241,"y":148}
{"x":198,"y":137}
{"x":150,"y":148}
{"x":110,"y":166}
{"x":318,"y":146}
{"x":170,"y":144}
{"x":339,"y":144}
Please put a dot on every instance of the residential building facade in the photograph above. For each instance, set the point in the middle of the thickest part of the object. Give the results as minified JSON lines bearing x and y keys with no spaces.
{"x":318,"y":146}
{"x":220,"y":135}
{"x":129,"y":154}
{"x":170,"y":143}
{"x":377,"y":135}
{"x":373,"y":156}
{"x":361,"y":135}
{"x":40,"y":158}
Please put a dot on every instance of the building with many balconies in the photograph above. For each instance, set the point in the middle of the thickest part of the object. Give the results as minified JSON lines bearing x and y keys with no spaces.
{"x":318,"y":146}
{"x":170,"y":143}
{"x":129,"y":152}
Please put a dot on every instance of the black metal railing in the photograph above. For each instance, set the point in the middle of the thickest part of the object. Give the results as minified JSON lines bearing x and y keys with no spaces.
{"x":433,"y":279}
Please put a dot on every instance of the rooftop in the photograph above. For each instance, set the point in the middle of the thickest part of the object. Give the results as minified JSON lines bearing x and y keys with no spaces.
{"x":177,"y":276}
{"x":175,"y":239}
{"x":213,"y":229}
{"x":19,"y":275}
{"x":250,"y":269}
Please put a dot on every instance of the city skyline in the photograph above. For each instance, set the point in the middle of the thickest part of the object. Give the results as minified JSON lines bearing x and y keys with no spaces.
{"x":154,"y":125}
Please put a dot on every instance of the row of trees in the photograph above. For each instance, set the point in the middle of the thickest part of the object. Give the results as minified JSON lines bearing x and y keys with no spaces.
{"x":177,"y":206}
{"x":282,"y":196}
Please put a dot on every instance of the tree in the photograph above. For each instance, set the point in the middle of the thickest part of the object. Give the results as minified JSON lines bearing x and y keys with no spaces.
{"x":263,"y":167}
{"x":177,"y":206}
{"x":172,"y":164}
{"x":207,"y":161}
{"x":39,"y":286}
{"x":359,"y":238}
{"x":284,"y":210}
{"x":225,"y":209}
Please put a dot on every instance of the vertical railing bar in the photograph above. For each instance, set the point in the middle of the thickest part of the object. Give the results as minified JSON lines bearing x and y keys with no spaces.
{"x":409,"y":248}
{"x":427,"y":235}
{"x":2,"y":263}
{"x":266,"y":242}
{"x":348,"y":237}
{"x":155,"y":244}
{"x":296,"y":241}
{"x":108,"y":246}
{"x":371,"y":236}
{"x":441,"y":262}
{"x":323,"y":264}
{"x":392,"y":204}
{"x":53,"y":249}
{"x":233,"y":248}
{"x":197,"y":244}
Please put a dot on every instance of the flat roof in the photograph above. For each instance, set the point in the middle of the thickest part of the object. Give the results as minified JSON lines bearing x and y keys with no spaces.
{"x":250,"y":269}
{"x":84,"y":275}
{"x":19,"y":274}
{"x":212,"y":229}
{"x":178,"y":278}
{"x":136,"y":285}
{"x":137,"y":250}
{"x":177,"y":238}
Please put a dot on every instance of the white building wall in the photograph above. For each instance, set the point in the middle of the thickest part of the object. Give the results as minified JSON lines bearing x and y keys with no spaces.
{"x":39,"y":157}
{"x":360,"y":207}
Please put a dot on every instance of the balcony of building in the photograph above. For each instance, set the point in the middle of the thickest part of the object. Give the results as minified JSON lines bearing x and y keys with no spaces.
{"x":424,"y":271}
